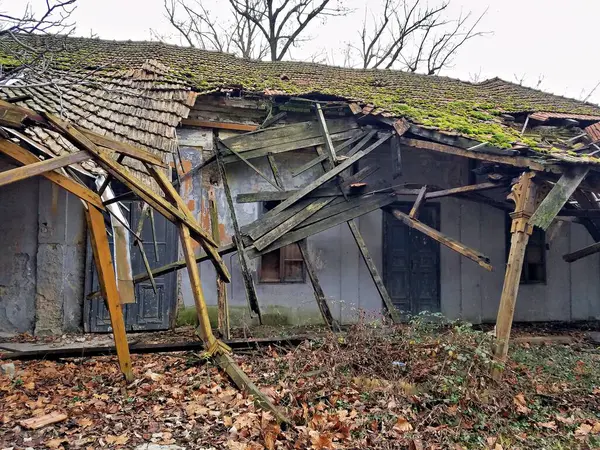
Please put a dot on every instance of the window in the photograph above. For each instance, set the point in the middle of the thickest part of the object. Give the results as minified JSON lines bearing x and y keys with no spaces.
{"x":534,"y":263}
{"x":284,"y":265}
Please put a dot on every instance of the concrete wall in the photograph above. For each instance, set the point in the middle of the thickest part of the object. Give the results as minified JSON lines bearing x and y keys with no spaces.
{"x":42,"y":236}
{"x":572,"y":291}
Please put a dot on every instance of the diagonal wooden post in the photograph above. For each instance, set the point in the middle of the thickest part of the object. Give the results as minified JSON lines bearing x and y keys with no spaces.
{"x":524,"y":196}
{"x":108,"y":286}
{"x":222,"y":304}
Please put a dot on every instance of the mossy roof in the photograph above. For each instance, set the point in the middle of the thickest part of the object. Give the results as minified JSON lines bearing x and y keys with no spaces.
{"x":441,"y":102}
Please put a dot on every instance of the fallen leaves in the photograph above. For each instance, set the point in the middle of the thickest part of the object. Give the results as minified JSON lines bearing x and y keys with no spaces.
{"x":402,"y":425}
{"x":521,"y":404}
{"x":116,"y":440}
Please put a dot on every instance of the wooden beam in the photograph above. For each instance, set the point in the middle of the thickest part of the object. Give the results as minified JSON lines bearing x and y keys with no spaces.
{"x":328,"y":318}
{"x":396,"y":149}
{"x":582,"y":253}
{"x":329,"y":175}
{"x":241,"y":380}
{"x":558,"y":196}
{"x":273,"y":120}
{"x":515,"y":161}
{"x":328,"y":142}
{"x":249,"y":287}
{"x":452,"y":244}
{"x":219,"y":125}
{"x":275,"y":233}
{"x":23,"y":156}
{"x":385,"y":296}
{"x":222,"y":304}
{"x":414,"y":212}
{"x":309,"y":165}
{"x":524,"y":195}
{"x":122,"y":148}
{"x":275,"y":170}
{"x":466,"y":189}
{"x":249,"y":164}
{"x":41,"y":167}
{"x":196,"y":286}
{"x":364,"y":141}
{"x":108,"y":286}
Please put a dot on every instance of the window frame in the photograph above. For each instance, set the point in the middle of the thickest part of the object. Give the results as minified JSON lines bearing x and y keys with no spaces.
{"x":537,"y":235}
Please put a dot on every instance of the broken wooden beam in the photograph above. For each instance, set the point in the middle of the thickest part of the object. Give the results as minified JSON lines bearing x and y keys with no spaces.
{"x":38,"y":422}
{"x":41,"y":167}
{"x":249,"y":287}
{"x":324,"y":129}
{"x":582,"y":253}
{"x":23,"y":156}
{"x":328,"y":318}
{"x":449,"y":242}
{"x":329,"y":175}
{"x":515,"y":161}
{"x":108,"y":286}
{"x":375,"y":276}
{"x":558,"y":196}
{"x":414,"y":212}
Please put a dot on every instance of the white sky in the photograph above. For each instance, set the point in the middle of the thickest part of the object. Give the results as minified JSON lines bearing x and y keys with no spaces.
{"x":531,"y":38}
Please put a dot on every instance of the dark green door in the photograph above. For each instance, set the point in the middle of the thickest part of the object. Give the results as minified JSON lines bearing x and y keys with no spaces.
{"x":411,"y":262}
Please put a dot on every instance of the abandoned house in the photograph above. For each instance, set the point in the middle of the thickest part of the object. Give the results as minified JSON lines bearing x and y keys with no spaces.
{"x":352,"y":190}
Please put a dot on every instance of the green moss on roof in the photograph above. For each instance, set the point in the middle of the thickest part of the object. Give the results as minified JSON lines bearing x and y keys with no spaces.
{"x":441,"y":102}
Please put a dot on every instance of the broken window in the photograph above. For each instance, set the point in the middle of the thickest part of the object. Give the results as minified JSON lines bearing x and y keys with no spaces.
{"x":284,"y":265}
{"x":534,"y":263}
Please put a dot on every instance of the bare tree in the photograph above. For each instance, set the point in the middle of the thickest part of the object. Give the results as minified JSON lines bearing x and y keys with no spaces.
{"x":414,"y":36}
{"x":200,"y":28}
{"x":53,"y":17}
{"x":256,"y":28}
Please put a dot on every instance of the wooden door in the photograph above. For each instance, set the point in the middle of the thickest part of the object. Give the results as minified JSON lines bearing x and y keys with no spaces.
{"x":151,"y":311}
{"x":411,"y":267}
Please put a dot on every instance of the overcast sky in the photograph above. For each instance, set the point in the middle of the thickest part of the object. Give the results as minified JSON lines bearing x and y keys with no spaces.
{"x":531,"y":38}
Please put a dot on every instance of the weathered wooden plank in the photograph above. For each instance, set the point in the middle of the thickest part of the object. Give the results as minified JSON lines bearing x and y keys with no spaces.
{"x":241,"y":380}
{"x":346,"y":144}
{"x":515,"y":161}
{"x":325,"y":130}
{"x":414,"y":212}
{"x":558,"y":196}
{"x":385,"y":296}
{"x":273,"y":234}
{"x":338,"y":206}
{"x":329,"y":175}
{"x":270,"y":137}
{"x":368,"y":205}
{"x":273,"y":120}
{"x":237,"y":240}
{"x":452,"y":244}
{"x":249,"y":164}
{"x":466,"y":189}
{"x":582,"y":253}
{"x":220,"y":125}
{"x":287,"y":146}
{"x":309,"y":165}
{"x":370,"y":135}
{"x":222,"y":304}
{"x":108,"y":286}
{"x":592,"y":226}
{"x":23,"y":156}
{"x":316,"y":284}
{"x":275,"y":170}
{"x":122,"y":148}
{"x":196,"y":285}
{"x":396,"y":149}
{"x":41,"y":167}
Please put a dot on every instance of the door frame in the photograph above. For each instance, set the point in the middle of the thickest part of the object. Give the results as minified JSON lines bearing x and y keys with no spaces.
{"x":406,"y":206}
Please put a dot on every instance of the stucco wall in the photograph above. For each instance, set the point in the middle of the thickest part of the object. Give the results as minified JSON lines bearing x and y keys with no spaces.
{"x":42,"y":236}
{"x":572,"y":291}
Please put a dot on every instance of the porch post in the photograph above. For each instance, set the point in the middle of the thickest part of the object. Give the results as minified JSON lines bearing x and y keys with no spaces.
{"x":524,"y":196}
